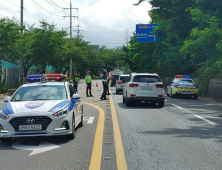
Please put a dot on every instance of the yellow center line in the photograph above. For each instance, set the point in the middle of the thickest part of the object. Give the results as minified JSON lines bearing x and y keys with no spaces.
{"x":98,"y":140}
{"x":120,"y":156}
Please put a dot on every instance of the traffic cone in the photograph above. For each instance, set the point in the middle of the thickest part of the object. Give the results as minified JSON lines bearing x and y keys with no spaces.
{"x":96,"y":84}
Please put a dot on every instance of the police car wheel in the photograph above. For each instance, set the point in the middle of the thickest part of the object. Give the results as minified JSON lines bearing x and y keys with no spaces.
{"x":5,"y":140}
{"x":167,"y":93}
{"x":81,"y":123}
{"x":195,"y":97}
{"x":72,"y":135}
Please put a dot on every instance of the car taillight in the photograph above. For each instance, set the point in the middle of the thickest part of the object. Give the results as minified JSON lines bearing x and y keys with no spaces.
{"x":133,"y":85}
{"x":120,"y":82}
{"x":160,"y":95}
{"x":159,"y":85}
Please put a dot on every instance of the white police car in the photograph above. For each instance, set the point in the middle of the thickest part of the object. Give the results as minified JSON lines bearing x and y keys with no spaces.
{"x":182,"y":86}
{"x":41,"y":109}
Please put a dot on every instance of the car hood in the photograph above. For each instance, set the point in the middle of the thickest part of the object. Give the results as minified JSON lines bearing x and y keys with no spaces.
{"x":34,"y":106}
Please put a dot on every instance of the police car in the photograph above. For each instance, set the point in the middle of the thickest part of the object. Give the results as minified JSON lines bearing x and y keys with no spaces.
{"x":42,"y":108}
{"x":182,"y":86}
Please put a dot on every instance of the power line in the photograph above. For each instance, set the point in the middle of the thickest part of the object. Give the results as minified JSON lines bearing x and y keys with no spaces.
{"x":12,"y":3}
{"x":32,"y":15}
{"x":55,"y":7}
{"x":66,"y":2}
{"x":46,"y":10}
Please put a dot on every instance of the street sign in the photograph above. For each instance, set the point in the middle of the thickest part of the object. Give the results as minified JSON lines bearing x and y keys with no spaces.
{"x":144,"y":33}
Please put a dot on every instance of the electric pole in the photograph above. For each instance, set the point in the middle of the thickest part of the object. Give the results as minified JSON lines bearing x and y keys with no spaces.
{"x":70,"y":71}
{"x":21,"y":59}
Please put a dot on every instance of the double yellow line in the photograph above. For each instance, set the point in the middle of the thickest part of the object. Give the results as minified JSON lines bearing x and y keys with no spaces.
{"x":96,"y":157}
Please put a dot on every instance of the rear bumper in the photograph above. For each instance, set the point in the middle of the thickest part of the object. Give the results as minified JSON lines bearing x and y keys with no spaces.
{"x":185,"y":95}
{"x":147,"y":99}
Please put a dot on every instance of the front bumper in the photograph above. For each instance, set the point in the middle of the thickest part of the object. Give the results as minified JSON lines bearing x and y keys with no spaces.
{"x":10,"y":132}
{"x":147,"y":99}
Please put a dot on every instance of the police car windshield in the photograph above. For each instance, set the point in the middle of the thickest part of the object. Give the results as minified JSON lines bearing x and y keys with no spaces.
{"x":146,"y":79}
{"x":185,"y":81}
{"x":47,"y":92}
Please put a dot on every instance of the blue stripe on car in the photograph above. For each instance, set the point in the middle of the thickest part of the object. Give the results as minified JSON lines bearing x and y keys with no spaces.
{"x":7,"y":109}
{"x":59,"y":106}
{"x":72,"y":104}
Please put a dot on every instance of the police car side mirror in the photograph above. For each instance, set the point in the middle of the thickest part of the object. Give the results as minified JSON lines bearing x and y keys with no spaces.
{"x":6,"y":99}
{"x":76,"y":96}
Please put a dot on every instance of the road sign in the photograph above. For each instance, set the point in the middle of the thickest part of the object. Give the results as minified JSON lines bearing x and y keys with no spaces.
{"x":144,"y":33}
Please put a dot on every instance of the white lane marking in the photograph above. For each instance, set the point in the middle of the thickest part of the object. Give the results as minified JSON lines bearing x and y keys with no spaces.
{"x":212,"y":123}
{"x":42,"y":147}
{"x":177,"y":106}
{"x":213,"y":117}
{"x":88,"y":119}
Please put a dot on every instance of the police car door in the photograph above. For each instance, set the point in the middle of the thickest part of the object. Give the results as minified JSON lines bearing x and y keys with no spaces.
{"x":76,"y":104}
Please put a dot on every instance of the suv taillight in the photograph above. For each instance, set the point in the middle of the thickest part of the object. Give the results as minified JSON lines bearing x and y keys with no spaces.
{"x":133,"y":85}
{"x":159,"y":85}
{"x":120,"y":82}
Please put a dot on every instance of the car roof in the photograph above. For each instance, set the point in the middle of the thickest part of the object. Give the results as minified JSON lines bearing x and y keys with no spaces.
{"x":124,"y":75}
{"x":153,"y":74}
{"x":47,"y":83}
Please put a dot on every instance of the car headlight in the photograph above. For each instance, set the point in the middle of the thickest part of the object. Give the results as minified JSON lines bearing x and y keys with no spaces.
{"x":62,"y":112}
{"x":3,"y":115}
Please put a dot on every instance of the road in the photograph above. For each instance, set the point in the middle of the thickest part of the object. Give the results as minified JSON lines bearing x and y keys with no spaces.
{"x":184,"y":134}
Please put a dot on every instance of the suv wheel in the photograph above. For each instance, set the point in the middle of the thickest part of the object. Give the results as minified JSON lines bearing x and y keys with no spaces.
{"x":128,"y":102}
{"x":124,"y":99}
{"x":160,"y":104}
{"x":117,"y":92}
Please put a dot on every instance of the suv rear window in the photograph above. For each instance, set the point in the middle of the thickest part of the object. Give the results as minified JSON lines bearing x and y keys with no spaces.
{"x":146,"y":79}
{"x":115,"y":76}
{"x":123,"y":77}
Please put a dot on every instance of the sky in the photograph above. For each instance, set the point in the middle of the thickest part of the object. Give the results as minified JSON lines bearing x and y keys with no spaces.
{"x":102,"y":22}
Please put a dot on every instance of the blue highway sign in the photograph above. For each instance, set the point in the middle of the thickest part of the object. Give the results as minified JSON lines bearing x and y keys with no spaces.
{"x":144,"y":33}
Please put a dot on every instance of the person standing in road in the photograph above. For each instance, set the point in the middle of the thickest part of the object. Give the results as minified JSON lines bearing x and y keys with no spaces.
{"x":108,"y":78}
{"x":88,"y":80}
{"x":105,"y":85}
{"x":75,"y":82}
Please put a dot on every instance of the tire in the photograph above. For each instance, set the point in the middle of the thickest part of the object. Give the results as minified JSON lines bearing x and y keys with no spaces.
{"x":72,"y":135}
{"x":81,"y":123}
{"x":128,"y":103}
{"x":195,"y":97}
{"x":160,"y":104}
{"x":172,"y":96}
{"x":117,"y":92}
{"x":124,"y":99}
{"x":111,"y":85}
{"x":5,"y":140}
{"x":167,"y":93}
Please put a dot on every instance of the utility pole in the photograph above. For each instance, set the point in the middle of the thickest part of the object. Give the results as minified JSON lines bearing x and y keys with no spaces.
{"x":126,"y":36}
{"x":21,"y":59}
{"x":70,"y":68}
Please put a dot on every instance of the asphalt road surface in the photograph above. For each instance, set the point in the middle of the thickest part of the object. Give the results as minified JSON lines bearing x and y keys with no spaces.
{"x":184,"y":134}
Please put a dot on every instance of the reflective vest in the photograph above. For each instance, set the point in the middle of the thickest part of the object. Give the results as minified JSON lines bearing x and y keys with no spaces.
{"x":76,"y":80}
{"x":106,"y":81}
{"x":89,"y":79}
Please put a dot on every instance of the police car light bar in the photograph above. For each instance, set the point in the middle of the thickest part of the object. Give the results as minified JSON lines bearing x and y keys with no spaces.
{"x":49,"y":77}
{"x":182,"y":76}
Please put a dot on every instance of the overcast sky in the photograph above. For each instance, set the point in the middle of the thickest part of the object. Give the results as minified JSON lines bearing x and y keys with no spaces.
{"x":103,"y":21}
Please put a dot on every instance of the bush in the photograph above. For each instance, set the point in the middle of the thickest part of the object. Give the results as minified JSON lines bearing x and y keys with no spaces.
{"x":3,"y":87}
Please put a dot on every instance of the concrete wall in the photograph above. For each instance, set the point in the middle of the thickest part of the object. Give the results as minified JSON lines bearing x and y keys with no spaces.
{"x":215,"y":89}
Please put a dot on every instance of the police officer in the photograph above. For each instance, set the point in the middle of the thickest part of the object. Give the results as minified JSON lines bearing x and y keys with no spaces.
{"x":88,"y":80}
{"x":75,"y":82}
{"x":105,"y":85}
{"x":108,"y":78}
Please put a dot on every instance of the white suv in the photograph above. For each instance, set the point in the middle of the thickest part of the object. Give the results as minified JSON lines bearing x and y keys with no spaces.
{"x":146,"y":87}
{"x":120,"y":84}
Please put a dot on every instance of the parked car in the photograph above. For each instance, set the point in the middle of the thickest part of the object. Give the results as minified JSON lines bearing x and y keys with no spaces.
{"x":113,"y":79}
{"x":120,"y":82}
{"x":146,"y":87}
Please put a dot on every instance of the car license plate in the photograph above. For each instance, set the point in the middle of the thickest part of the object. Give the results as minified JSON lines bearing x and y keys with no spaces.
{"x":30,"y":127}
{"x":146,"y":88}
{"x":186,"y":92}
